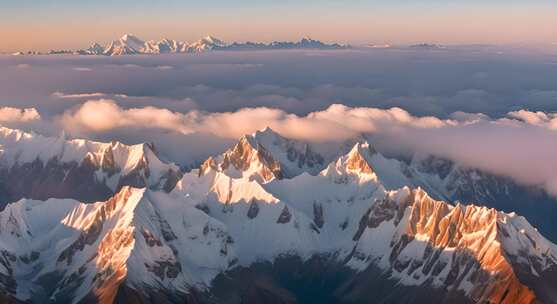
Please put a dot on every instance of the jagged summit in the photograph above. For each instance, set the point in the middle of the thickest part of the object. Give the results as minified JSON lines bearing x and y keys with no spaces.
{"x":356,"y":166}
{"x":359,"y":159}
{"x":265,"y":136}
{"x":214,"y":40}
{"x":267,"y":131}
{"x":266,"y":155}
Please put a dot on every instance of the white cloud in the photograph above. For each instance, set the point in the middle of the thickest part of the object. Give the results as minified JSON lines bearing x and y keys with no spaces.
{"x":82,"y":69}
{"x":104,"y":115}
{"x":164,"y":67}
{"x":536,"y":118}
{"x":59,"y":94}
{"x":10,"y":115}
{"x":522,"y":146}
{"x":337,"y":122}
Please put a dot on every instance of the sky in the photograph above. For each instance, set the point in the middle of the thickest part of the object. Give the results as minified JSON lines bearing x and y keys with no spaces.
{"x":65,"y":24}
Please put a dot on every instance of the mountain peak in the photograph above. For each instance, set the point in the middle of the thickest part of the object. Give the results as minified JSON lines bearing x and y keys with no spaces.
{"x":267,"y":133}
{"x":213,"y":41}
{"x":359,"y":158}
{"x":266,"y":155}
{"x":356,"y":164}
{"x":128,"y":37}
{"x":266,"y":129}
{"x":363,"y":148}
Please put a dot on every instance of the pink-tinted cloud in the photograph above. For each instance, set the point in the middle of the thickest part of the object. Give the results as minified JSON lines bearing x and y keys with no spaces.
{"x":10,"y":114}
{"x":536,"y":118}
{"x":103,"y":115}
{"x":522,"y":145}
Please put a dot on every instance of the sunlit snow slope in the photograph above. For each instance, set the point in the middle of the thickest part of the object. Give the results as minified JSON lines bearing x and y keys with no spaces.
{"x":260,"y":224}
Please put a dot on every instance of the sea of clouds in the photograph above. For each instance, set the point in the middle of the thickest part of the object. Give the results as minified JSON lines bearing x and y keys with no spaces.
{"x":484,"y":107}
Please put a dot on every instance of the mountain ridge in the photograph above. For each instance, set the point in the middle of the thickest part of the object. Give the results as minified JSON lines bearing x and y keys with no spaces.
{"x":130,"y":44}
{"x":35,"y":166}
{"x":245,"y":225}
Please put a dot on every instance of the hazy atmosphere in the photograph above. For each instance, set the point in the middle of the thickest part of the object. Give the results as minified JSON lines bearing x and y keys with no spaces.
{"x":62,"y":24}
{"x":470,"y":104}
{"x":278,"y":152}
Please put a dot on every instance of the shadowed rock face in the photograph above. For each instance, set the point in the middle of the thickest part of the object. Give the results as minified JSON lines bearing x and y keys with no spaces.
{"x":306,"y":158}
{"x":128,"y":295}
{"x":318,"y":215}
{"x":54,"y":179}
{"x":320,"y":279}
{"x":253,"y":210}
{"x":85,"y":180}
{"x":284,"y":216}
{"x":8,"y":285}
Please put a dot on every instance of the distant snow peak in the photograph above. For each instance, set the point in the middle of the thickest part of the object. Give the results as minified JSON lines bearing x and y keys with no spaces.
{"x":213,"y":40}
{"x":95,"y":49}
{"x":131,"y":38}
{"x":129,"y":44}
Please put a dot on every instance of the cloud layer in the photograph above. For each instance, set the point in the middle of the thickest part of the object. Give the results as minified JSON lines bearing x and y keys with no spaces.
{"x":474,"y":79}
{"x":521,"y":145}
{"x":483,"y":106}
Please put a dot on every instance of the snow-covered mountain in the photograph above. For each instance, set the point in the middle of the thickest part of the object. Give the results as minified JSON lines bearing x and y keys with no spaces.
{"x":39,"y":167}
{"x":279,"y":157}
{"x":205,"y":44}
{"x":339,"y":236}
{"x":64,"y":251}
{"x":130,"y":44}
{"x":304,"y":43}
{"x":266,"y":155}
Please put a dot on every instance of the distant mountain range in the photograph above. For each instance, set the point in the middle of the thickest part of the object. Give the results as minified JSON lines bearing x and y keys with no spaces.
{"x":132,"y":45}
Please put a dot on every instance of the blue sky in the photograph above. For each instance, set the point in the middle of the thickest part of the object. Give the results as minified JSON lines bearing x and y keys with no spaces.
{"x":64,"y":23}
